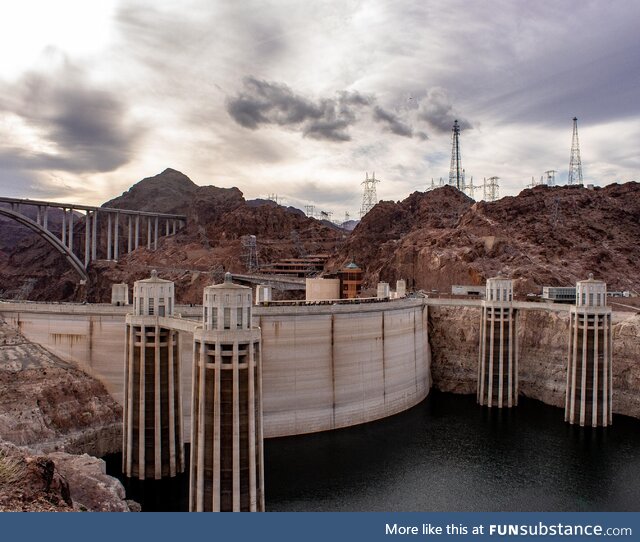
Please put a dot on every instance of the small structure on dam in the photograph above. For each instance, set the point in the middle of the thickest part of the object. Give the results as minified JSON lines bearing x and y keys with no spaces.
{"x":498,"y":360}
{"x":226,"y":431}
{"x":152,"y":435}
{"x":589,"y":372}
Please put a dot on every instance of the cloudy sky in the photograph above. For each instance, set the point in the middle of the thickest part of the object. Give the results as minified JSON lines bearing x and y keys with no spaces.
{"x":301,"y":99}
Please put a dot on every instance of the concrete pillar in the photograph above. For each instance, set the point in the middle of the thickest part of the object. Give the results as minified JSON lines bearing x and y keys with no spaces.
{"x":39,"y":215}
{"x":174,"y":227}
{"x":152,"y":434}
{"x":129,"y":234}
{"x":108,"y":235}
{"x":71,"y":229}
{"x":45,"y":220}
{"x":148,"y":233}
{"x":116,"y":236}
{"x":155,"y":236}
{"x":498,"y":352}
{"x":94,"y":230}
{"x":589,"y":369}
{"x":166,"y":227}
{"x":137,"y":236}
{"x":87,"y":238}
{"x":64,"y":226}
{"x":226,"y":435}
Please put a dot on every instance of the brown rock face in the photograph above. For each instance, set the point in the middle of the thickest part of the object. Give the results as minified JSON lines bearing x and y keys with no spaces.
{"x":543,"y":236}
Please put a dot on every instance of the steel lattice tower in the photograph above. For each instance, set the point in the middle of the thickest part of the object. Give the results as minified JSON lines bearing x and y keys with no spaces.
{"x":369,"y":198}
{"x":575,"y":165}
{"x":456,"y":173}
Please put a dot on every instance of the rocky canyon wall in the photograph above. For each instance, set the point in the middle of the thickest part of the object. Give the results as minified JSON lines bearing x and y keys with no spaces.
{"x":543,"y":346}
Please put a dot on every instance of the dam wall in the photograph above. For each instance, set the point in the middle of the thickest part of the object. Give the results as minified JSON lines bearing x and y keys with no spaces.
{"x":331,"y":366}
{"x":324,"y":367}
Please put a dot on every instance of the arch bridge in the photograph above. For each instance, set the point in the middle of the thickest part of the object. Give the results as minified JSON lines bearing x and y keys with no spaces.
{"x":123,"y":228}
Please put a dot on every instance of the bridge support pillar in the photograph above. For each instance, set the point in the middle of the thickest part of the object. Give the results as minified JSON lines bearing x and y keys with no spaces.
{"x":71,"y":228}
{"x":94,"y":230}
{"x":64,"y":227}
{"x":116,"y":236}
{"x":45,"y":218}
{"x":137,"y":237}
{"x":149,"y":233}
{"x":155,"y":236}
{"x":108,"y":236}
{"x":129,"y":234}
{"x":87,"y":239}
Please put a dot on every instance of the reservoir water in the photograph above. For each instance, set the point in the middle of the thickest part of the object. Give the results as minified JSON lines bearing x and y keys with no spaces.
{"x":446,"y":454}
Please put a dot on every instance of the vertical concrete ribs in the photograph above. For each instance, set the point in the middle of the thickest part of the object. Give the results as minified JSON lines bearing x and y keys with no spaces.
{"x":152,"y":435}
{"x":498,"y":356}
{"x":589,"y":371}
{"x":226,"y":434}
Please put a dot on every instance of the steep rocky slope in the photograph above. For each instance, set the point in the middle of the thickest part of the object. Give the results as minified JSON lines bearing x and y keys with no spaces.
{"x":543,"y":236}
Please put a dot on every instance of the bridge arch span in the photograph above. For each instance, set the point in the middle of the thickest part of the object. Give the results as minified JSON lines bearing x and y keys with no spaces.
{"x":49,"y":238}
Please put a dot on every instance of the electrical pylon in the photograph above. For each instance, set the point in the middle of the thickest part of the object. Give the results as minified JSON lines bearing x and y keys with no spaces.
{"x":369,"y":198}
{"x":456,"y":173}
{"x":575,"y":165}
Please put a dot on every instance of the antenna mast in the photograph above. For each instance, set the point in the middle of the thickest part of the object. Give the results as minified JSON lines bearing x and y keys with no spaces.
{"x":575,"y":165}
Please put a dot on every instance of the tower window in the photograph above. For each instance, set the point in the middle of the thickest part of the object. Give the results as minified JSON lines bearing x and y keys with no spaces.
{"x":227,"y":318}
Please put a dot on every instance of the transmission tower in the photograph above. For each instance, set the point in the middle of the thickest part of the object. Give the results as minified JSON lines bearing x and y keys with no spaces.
{"x":347,"y":216}
{"x":470,"y":188}
{"x":310,"y":210}
{"x":456,"y":173}
{"x":491,"y":189}
{"x":369,"y":198}
{"x":250,"y":252}
{"x":550,"y":177}
{"x":575,"y":165}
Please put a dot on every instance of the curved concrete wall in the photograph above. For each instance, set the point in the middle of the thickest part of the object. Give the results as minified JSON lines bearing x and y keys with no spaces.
{"x":324,"y":367}
{"x":331,"y":366}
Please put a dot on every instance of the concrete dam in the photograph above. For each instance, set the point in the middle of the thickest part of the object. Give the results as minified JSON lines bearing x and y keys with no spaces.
{"x":324,"y":366}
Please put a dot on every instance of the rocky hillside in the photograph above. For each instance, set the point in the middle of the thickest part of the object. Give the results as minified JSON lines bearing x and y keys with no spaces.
{"x":211,"y":243}
{"x":543,"y":236}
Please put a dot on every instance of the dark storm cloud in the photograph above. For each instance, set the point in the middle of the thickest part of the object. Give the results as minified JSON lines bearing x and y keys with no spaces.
{"x":393,"y":123}
{"x":264,"y":103}
{"x":436,"y":109}
{"x":86,"y":126}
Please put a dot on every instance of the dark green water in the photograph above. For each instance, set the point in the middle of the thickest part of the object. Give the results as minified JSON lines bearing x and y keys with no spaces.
{"x":446,"y":454}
